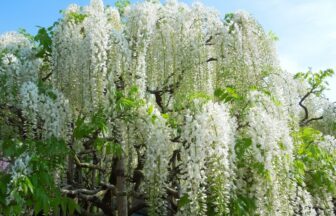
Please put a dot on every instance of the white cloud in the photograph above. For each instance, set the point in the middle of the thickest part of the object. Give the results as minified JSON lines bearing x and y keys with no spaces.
{"x":310,"y":38}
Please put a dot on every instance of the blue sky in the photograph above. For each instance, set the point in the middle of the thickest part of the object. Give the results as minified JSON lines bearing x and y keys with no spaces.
{"x":306,"y":28}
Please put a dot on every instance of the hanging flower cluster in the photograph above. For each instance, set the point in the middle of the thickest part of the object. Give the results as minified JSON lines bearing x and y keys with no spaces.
{"x":304,"y":202}
{"x":18,"y":64}
{"x":208,"y":154}
{"x":47,"y":113}
{"x":45,"y":110}
{"x":272,"y":152}
{"x":80,"y":50}
{"x":269,"y":130}
{"x":158,"y":151}
{"x":249,"y":51}
{"x":167,"y":108}
{"x":19,"y":175}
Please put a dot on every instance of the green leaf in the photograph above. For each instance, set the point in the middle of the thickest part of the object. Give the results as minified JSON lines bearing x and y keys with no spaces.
{"x":99,"y":121}
{"x":165,"y":116}
{"x":153,"y":118}
{"x":127,"y":102}
{"x":121,"y":5}
{"x":308,"y":134}
{"x":150,"y":110}
{"x":76,"y":17}
{"x":4,"y":180}
{"x":300,"y":167}
{"x":227,"y":95}
{"x":29,"y":185}
{"x":260,"y":168}
{"x":99,"y":143}
{"x":243,"y":205}
{"x":273,"y":36}
{"x":228,"y":17}
{"x":219,"y":92}
{"x":133,"y":91}
{"x":316,"y":80}
{"x":242,"y":145}
{"x":199,"y":95}
{"x":63,"y":204}
{"x":26,"y":34}
{"x":114,"y":149}
{"x":82,"y":129}
{"x":44,"y":40}
{"x":232,"y":92}
{"x":72,"y":206}
{"x":184,"y":200}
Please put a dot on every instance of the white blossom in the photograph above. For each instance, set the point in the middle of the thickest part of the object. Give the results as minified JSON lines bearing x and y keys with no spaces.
{"x":52,"y":111}
{"x":158,"y":151}
{"x":209,"y":137}
{"x":17,"y":65}
{"x":19,"y":171}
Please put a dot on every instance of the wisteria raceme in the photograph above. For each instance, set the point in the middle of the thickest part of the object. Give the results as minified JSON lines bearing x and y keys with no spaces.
{"x":272,"y":148}
{"x":142,"y":21}
{"x":272,"y":137}
{"x":287,"y":91}
{"x":158,"y":151}
{"x":329,"y":115}
{"x":194,"y":154}
{"x":18,"y":64}
{"x":324,"y":204}
{"x":51,"y":110}
{"x":328,"y":143}
{"x":221,"y":156}
{"x":80,"y":57}
{"x":29,"y":103}
{"x":55,"y":113}
{"x":172,"y":41}
{"x":19,"y":172}
{"x":304,"y":202}
{"x":209,"y":137}
{"x":160,"y":109}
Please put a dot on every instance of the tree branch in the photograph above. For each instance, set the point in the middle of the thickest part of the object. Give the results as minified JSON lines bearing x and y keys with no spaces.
{"x":86,"y":165}
{"x":172,"y":192}
{"x":47,"y":76}
{"x":80,"y":191}
{"x":313,"y":119}
{"x":304,"y":107}
{"x":305,"y":120}
{"x":211,"y":59}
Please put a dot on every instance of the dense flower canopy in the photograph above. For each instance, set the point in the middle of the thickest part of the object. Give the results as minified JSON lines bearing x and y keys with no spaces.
{"x":160,"y":109}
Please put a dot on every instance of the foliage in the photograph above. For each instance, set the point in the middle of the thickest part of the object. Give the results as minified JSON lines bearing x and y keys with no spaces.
{"x":315,"y":162}
{"x":121,"y":5}
{"x":316,"y":80}
{"x":30,"y":183}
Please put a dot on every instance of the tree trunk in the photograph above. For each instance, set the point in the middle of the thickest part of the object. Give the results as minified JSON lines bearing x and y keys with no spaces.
{"x":70,"y":170}
{"x":122,"y":205}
